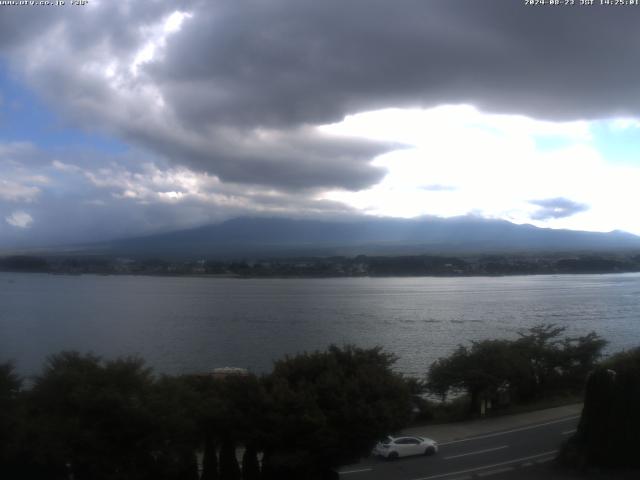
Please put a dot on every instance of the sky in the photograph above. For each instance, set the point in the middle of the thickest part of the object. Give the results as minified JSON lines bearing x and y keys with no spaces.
{"x":133,"y":117}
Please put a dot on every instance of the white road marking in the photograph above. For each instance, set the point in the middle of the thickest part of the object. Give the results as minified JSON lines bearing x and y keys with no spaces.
{"x":544,"y":460}
{"x":489,"y":435}
{"x":484,"y":467}
{"x":347,"y":472}
{"x":476,"y":452}
{"x":569,"y":432}
{"x":495,"y":471}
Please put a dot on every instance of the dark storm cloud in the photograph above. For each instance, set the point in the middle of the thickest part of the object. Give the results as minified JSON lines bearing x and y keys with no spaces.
{"x":239,"y":90}
{"x":292,"y":62}
{"x":292,"y":160}
{"x":19,"y":25}
{"x":115,"y":23}
{"x":236,"y":68}
{"x":557,"y":208}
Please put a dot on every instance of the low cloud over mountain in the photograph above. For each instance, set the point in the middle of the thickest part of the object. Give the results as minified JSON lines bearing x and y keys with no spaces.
{"x":265,"y":237}
{"x":237,"y":98}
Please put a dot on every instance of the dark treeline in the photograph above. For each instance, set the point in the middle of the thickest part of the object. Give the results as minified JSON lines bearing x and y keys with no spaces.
{"x":338,"y":266}
{"x":86,"y":418}
{"x":540,"y":364}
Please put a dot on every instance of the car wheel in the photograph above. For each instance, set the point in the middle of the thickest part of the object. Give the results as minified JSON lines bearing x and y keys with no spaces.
{"x":430,"y":450}
{"x":392,"y":456}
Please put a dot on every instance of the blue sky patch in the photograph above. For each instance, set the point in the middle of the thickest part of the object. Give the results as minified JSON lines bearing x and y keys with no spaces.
{"x":617,"y":145}
{"x":26,"y":118}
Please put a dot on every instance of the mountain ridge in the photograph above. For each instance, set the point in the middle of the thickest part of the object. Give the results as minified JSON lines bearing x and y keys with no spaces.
{"x":282,"y":237}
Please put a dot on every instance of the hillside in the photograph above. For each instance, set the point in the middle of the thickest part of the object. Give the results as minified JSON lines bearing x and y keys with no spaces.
{"x":280,"y":237}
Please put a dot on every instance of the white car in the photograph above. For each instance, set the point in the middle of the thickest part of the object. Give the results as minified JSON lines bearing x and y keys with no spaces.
{"x":396,"y":447}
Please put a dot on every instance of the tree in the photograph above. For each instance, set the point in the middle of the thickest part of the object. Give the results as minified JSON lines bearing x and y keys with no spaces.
{"x":231,"y":413}
{"x":609,"y":430}
{"x":174,"y":406}
{"x":90,"y":418}
{"x":250,"y":465}
{"x":229,"y":468}
{"x":480,"y":371}
{"x":209,"y":413}
{"x":541,"y":346}
{"x":557,"y":363}
{"x":329,"y":408}
{"x":580,"y":356}
{"x":538,"y":363}
{"x":10,"y":385}
{"x":210,"y":459}
{"x":242,"y":423}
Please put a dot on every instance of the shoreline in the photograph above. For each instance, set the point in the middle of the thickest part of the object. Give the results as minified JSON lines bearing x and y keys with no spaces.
{"x":311,"y":277}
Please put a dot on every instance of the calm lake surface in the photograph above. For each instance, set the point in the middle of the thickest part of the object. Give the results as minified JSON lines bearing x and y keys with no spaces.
{"x":182,"y":325}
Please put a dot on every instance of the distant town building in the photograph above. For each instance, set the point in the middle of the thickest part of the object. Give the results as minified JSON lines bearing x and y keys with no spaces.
{"x":224,"y":372}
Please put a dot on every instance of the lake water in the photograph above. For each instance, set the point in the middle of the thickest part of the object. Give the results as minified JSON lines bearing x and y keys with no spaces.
{"x":182,"y":325}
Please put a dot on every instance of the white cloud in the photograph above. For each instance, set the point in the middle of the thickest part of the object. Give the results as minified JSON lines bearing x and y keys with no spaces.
{"x":624,"y":124}
{"x":19,"y":219}
{"x":424,"y":126}
{"x":156,"y":41}
{"x":17,"y":192}
{"x":492,"y":166}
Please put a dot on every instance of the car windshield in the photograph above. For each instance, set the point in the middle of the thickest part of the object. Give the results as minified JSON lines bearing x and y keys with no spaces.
{"x":386,"y":441}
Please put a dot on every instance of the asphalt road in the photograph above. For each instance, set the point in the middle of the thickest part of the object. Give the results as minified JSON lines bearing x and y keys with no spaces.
{"x":493,"y":454}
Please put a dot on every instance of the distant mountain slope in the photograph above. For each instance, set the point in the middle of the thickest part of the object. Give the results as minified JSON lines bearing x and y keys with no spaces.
{"x":255,"y":237}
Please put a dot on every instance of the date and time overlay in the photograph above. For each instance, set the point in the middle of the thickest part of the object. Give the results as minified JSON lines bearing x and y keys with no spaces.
{"x":528,"y":3}
{"x":43,"y":3}
{"x":581,"y":3}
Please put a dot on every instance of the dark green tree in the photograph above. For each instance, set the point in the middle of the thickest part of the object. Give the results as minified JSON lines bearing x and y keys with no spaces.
{"x":242,"y":420}
{"x":556,"y":363}
{"x":210,"y":417}
{"x":329,"y":408}
{"x":479,"y":371}
{"x":231,"y":412}
{"x":90,"y":418}
{"x":175,"y":406}
{"x":229,"y":468}
{"x":579,"y":357}
{"x":10,"y":385}
{"x":210,"y":459}
{"x":541,"y":346}
{"x":538,"y":363}
{"x":609,"y":430}
{"x":250,"y":464}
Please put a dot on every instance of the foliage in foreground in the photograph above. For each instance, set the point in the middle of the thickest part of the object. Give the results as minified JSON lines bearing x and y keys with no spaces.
{"x":350,"y":399}
{"x":608,"y":434}
{"x":538,"y":364}
{"x":92,"y":419}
